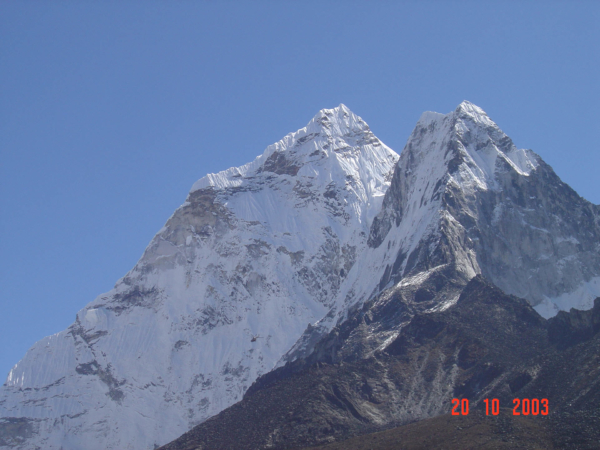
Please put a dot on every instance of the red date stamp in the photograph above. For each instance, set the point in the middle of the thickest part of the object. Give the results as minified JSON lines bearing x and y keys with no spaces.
{"x":524,"y":406}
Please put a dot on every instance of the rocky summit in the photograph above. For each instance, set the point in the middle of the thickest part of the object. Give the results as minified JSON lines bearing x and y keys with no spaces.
{"x":331,"y":289}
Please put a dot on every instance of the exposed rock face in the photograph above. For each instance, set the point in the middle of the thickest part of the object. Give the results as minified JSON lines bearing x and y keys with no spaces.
{"x":255,"y":251}
{"x":487,"y":345}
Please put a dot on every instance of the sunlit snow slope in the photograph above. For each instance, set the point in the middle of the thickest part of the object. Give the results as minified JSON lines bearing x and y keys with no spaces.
{"x":253,"y":256}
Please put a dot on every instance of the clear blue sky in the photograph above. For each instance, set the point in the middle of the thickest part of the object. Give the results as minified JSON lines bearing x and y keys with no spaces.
{"x":109,"y":111}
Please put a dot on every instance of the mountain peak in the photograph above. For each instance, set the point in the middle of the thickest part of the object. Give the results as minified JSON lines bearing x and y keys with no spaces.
{"x":469,"y":108}
{"x":458,"y":178}
{"x":223,"y":290}
{"x":313,"y":231}
{"x":340,"y":109}
{"x":337,"y":121}
{"x":469,"y":111}
{"x":464,"y":111}
{"x":467,"y":135}
{"x":335,"y":133}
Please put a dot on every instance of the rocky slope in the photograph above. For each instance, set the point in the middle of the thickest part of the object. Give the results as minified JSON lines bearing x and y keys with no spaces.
{"x":448,"y":432}
{"x":221,"y":293}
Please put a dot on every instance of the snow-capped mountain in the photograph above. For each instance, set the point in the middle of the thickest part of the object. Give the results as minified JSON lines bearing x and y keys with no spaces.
{"x":254,"y":255}
{"x":420,"y":319}
{"x":322,"y":249}
{"x":464,"y":200}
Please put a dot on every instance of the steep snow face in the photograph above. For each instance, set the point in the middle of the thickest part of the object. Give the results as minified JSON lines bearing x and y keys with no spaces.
{"x":222,"y":291}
